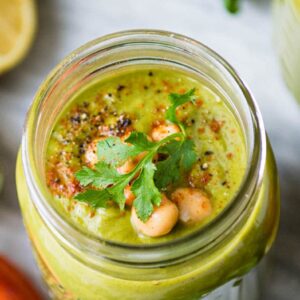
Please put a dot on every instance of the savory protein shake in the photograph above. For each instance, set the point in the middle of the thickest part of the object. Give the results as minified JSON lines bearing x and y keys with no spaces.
{"x":153,"y":180}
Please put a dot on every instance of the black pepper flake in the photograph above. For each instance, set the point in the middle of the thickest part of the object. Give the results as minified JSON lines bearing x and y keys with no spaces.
{"x":75,"y":119}
{"x":158,"y":91}
{"x":66,"y":142}
{"x":121,"y":125}
{"x":162,"y":156}
{"x":82,"y":148}
{"x":120,"y":87}
{"x":150,"y":73}
{"x":193,"y":121}
{"x":109,"y":95}
{"x":208,"y":153}
{"x":124,"y":122}
{"x":224,"y":182}
{"x":145,"y":87}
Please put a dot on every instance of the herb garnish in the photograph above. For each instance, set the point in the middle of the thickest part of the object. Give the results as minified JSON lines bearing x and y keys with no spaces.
{"x":232,"y":5}
{"x":104,"y":184}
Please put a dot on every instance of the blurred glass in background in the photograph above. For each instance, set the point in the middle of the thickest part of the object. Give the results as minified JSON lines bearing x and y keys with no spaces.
{"x":1,"y":178}
{"x":287,"y":41}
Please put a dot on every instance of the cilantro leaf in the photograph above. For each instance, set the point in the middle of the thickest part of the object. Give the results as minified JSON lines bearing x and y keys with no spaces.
{"x":188,"y":155}
{"x":177,"y":100}
{"x":167,"y":172}
{"x":117,"y":192}
{"x":181,"y":158}
{"x":232,"y":5}
{"x":114,"y":151}
{"x":99,"y":198}
{"x":102,"y":176}
{"x":94,"y":198}
{"x":85,"y":176}
{"x":146,"y":192}
{"x":140,"y":141}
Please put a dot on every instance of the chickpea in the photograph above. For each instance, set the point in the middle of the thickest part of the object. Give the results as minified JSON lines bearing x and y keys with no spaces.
{"x":130,"y":164}
{"x":129,"y":195}
{"x":90,"y":155}
{"x":161,"y":222}
{"x":162,"y":131}
{"x":127,"y":167}
{"x":192,"y":203}
{"x":66,"y":185}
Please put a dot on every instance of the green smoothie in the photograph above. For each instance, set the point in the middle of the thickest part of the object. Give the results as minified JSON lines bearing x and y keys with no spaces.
{"x":137,"y":101}
{"x":127,"y":106}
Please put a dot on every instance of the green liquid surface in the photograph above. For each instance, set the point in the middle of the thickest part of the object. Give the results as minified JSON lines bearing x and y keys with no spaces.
{"x":141,"y":96}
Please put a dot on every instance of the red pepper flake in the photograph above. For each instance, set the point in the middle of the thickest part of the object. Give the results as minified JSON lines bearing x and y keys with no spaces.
{"x":161,"y":108}
{"x":199,"y":102}
{"x":92,"y":213}
{"x":201,"y":130}
{"x":229,"y":155}
{"x":167,"y":85}
{"x":205,"y":179}
{"x":157,"y":123}
{"x":182,"y":91}
{"x":215,"y":126}
{"x":62,"y":182}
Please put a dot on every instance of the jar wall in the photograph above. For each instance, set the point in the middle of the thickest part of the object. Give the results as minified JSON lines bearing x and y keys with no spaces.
{"x":69,"y":277}
{"x":213,"y":270}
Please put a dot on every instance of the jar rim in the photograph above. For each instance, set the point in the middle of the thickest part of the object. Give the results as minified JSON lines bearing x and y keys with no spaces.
{"x":77,"y":240}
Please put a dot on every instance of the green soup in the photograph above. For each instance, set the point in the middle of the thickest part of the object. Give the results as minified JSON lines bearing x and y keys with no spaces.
{"x":139,"y":99}
{"x":129,"y":83}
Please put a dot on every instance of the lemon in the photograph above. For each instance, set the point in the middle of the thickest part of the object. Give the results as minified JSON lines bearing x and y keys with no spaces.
{"x":17,"y":28}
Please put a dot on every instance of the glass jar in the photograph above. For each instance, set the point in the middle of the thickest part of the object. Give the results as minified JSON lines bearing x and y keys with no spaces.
{"x":287,"y":41}
{"x":208,"y":264}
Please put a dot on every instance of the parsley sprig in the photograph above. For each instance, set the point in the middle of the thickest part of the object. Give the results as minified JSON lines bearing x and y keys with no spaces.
{"x":104,"y":184}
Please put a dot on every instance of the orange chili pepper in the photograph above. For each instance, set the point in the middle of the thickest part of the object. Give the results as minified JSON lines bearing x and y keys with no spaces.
{"x":14,"y":285}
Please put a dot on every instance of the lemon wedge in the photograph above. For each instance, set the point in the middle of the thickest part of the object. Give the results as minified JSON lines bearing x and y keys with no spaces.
{"x":17,"y":28}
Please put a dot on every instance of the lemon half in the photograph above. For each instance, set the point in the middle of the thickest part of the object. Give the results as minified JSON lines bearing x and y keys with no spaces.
{"x":17,"y":29}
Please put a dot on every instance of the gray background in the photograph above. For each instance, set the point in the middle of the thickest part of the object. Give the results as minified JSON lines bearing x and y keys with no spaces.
{"x":244,"y":40}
